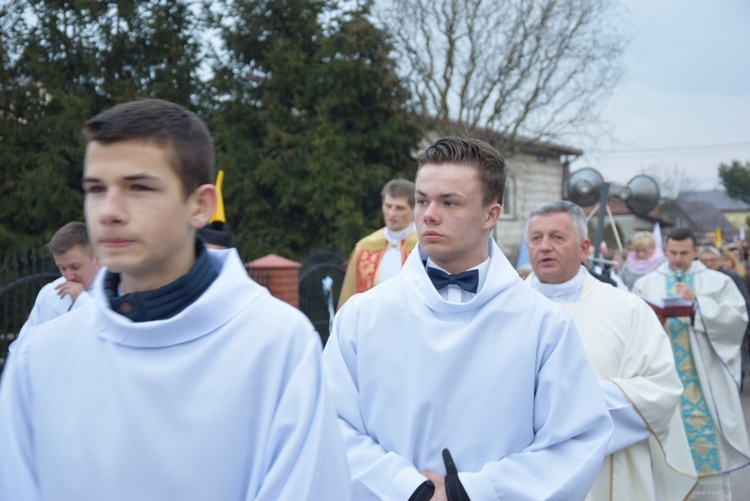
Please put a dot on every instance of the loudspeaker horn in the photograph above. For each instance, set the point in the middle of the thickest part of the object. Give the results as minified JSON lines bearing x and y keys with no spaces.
{"x":641,"y":194}
{"x":585,"y":186}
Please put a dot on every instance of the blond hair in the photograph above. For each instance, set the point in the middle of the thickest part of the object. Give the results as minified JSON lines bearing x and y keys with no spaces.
{"x":728,"y":255}
{"x":643,"y":240}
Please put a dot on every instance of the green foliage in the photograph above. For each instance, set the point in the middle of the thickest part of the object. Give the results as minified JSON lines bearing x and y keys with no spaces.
{"x":736,"y":179}
{"x":38,"y":184}
{"x":309,"y":119}
{"x":62,"y":62}
{"x":309,"y":123}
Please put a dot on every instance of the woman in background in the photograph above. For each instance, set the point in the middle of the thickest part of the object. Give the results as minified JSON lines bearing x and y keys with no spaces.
{"x":645,"y":257}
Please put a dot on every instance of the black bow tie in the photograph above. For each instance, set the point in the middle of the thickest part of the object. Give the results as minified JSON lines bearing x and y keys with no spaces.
{"x":468,"y":280}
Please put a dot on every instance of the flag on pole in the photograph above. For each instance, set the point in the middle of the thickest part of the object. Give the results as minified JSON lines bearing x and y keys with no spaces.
{"x":216,"y":232}
{"x":657,"y":235}
{"x":523,"y":255}
{"x":219,"y":214}
{"x":717,"y":237}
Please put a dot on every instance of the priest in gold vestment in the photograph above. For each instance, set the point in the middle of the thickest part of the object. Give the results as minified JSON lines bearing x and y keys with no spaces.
{"x":381,"y":254}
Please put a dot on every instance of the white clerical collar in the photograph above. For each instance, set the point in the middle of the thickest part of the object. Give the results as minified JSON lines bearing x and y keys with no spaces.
{"x":454,"y":293}
{"x":692,"y":268}
{"x":394,"y":237}
{"x":566,"y":292}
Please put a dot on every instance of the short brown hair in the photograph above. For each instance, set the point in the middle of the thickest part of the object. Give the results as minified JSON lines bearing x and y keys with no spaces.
{"x":473,"y":152}
{"x":168,"y":125}
{"x":68,"y":236}
{"x":399,"y":188}
{"x":680,"y":234}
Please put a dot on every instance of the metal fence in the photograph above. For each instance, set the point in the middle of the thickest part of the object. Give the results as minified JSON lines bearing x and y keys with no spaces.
{"x":21,"y":278}
{"x":314,"y":301}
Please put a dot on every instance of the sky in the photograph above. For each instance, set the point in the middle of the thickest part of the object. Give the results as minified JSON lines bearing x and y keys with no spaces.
{"x":683,"y":106}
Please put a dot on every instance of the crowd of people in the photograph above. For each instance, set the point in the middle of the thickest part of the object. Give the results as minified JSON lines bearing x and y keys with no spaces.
{"x":172,"y":375}
{"x":645,"y":254}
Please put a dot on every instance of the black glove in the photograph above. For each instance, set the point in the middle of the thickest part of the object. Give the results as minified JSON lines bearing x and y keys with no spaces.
{"x":424,"y":492}
{"x":453,"y":487}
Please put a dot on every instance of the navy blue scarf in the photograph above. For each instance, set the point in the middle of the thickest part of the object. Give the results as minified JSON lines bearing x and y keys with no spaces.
{"x":164,"y":302}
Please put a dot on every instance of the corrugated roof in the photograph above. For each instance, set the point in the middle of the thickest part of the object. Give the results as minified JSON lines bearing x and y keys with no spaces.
{"x":704,"y":216}
{"x":524,"y":144}
{"x":719,"y":198}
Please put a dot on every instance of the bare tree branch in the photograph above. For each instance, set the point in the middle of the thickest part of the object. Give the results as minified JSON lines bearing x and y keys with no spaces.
{"x":671,"y":180}
{"x":537,"y":68}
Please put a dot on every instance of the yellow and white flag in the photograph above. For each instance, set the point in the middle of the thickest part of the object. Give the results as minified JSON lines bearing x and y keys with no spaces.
{"x":219,"y":215}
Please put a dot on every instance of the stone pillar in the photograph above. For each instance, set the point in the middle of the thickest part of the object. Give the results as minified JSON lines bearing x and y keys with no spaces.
{"x":279,"y":275}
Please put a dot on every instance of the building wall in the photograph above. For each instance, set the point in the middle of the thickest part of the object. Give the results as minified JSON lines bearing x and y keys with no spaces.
{"x":533,"y":182}
{"x":738,"y":219}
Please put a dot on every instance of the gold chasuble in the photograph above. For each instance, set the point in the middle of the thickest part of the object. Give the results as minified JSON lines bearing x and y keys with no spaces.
{"x":362,"y":273}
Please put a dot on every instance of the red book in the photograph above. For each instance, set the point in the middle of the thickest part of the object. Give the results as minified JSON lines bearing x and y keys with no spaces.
{"x":671,"y":307}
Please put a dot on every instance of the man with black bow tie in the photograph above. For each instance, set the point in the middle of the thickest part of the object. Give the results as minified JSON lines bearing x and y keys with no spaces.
{"x":454,"y":380}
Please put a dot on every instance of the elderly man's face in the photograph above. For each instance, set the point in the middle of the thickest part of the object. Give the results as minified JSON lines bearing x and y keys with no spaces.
{"x":710,"y":260}
{"x":555,"y":250}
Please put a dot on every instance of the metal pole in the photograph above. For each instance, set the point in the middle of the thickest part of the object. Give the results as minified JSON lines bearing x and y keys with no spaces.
{"x":603,"y":199}
{"x":613,"y":223}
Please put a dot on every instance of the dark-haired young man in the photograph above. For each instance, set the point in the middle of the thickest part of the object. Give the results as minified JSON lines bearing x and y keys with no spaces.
{"x":454,"y":378}
{"x":183,"y":379}
{"x":381,"y":254}
{"x":707,"y":354}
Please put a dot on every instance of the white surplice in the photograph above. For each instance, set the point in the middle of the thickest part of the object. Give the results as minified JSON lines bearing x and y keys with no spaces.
{"x":223,"y":401}
{"x":632,"y":356}
{"x":715,"y":338}
{"x":502,"y":381}
{"x":49,"y":304}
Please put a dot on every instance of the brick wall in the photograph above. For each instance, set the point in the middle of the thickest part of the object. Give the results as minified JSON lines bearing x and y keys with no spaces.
{"x":279,"y":275}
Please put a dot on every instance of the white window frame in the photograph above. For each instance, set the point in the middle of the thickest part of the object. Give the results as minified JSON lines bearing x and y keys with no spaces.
{"x":509,"y":199}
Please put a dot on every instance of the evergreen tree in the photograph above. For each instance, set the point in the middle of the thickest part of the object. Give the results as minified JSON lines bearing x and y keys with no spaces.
{"x":62,"y":62}
{"x":310,"y":121}
{"x":736,"y":179}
